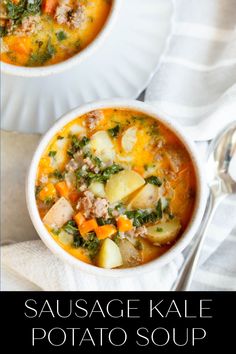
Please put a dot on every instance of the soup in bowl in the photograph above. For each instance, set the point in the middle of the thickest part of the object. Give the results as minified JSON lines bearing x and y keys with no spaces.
{"x":114,"y":186}
{"x":42,"y":33}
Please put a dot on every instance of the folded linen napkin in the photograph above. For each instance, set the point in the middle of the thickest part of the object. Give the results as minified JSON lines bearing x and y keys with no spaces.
{"x":196,"y":80}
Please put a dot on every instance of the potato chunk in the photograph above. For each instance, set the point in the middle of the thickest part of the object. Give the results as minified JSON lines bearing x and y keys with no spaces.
{"x":164,"y":232}
{"x":122,"y":184}
{"x":109,"y":255}
{"x":97,"y":188}
{"x":147,"y":197}
{"x":129,"y":253}
{"x":102,"y":146}
{"x":149,"y":251}
{"x":59,"y":214}
{"x":129,"y":139}
{"x":65,"y":238}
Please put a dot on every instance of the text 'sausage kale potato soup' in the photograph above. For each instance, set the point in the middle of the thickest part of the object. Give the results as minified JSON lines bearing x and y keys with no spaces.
{"x":115,"y":188}
{"x":45,"y":32}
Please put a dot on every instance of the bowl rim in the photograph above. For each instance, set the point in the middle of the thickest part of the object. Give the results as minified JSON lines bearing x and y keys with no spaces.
{"x":200,"y":201}
{"x":76,"y":59}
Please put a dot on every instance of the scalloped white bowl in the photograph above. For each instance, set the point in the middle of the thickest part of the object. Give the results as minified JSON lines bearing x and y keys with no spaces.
{"x":75,"y":60}
{"x":185,"y":238}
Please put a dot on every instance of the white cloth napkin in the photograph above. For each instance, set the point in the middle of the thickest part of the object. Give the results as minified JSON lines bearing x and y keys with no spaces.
{"x":196,"y":80}
{"x":195,"y":84}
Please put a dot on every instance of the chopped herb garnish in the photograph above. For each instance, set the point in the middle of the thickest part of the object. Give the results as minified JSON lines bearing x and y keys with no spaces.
{"x":84,"y":141}
{"x":48,"y":200}
{"x":78,"y":241}
{"x":153,"y":130}
{"x":167,"y":211}
{"x":102,"y":221}
{"x":111,"y":170}
{"x":104,"y":175}
{"x":144,"y":216}
{"x":42,"y":55}
{"x":154,"y":180}
{"x":56,"y":231}
{"x":3,"y":31}
{"x":159,"y":209}
{"x":117,"y":238}
{"x":159,"y":229}
{"x":71,"y":228}
{"x":97,"y":161}
{"x":141,"y":217}
{"x":120,"y":206}
{"x":78,"y":44}
{"x":70,"y":152}
{"x":113,"y":132}
{"x":60,"y":137}
{"x":39,"y":43}
{"x":23,"y":8}
{"x":61,"y":35}
{"x":58,"y":174}
{"x":52,"y":153}
{"x":79,"y":174}
{"x":110,"y":212}
{"x":77,"y":144}
{"x":138,"y":118}
{"x":91,"y":244}
{"x":37,"y":190}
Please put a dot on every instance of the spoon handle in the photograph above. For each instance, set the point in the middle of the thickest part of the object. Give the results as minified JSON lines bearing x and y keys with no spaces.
{"x":185,"y":277}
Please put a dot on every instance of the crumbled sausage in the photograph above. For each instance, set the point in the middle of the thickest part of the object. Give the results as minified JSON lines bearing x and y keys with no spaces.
{"x":29,"y":25}
{"x":93,"y":207}
{"x":94,"y":118}
{"x":101,"y":208}
{"x":91,"y":165}
{"x":77,"y":17}
{"x":70,"y":14}
{"x":140,"y":231}
{"x":72,"y":165}
{"x":80,"y":162}
{"x":62,"y":11}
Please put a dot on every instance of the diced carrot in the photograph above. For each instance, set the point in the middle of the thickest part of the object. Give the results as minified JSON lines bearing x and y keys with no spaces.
{"x":88,"y":226}
{"x":48,"y":191}
{"x":79,"y":219}
{"x":105,"y":231}
{"x":74,"y":196}
{"x":124,"y":224}
{"x":62,"y":189}
{"x":139,"y":169}
{"x":44,"y":166}
{"x":20,"y":45}
{"x":49,"y":6}
{"x":44,"y":162}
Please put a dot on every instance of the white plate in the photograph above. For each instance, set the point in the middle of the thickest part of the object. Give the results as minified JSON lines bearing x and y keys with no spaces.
{"x":122,"y":67}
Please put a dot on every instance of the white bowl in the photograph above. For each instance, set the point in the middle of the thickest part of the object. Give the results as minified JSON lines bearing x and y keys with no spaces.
{"x":185,"y":237}
{"x":74,"y":60}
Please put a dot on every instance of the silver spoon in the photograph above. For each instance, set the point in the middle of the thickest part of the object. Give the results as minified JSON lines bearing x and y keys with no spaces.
{"x":220,"y":184}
